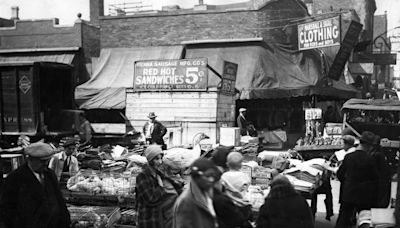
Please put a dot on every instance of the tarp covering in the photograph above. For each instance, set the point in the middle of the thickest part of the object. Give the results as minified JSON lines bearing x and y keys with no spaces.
{"x":113,"y":73}
{"x":268,"y":71}
{"x":378,"y":104}
{"x":65,"y":58}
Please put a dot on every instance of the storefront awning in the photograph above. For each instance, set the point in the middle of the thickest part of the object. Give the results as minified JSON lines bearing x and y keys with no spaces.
{"x":268,"y":71}
{"x":65,"y":58}
{"x":113,"y":73}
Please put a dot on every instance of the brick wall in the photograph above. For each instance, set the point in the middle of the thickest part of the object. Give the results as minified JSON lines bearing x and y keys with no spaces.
{"x":39,"y":34}
{"x":6,"y":22}
{"x":28,"y":34}
{"x":171,"y":28}
{"x":364,"y":8}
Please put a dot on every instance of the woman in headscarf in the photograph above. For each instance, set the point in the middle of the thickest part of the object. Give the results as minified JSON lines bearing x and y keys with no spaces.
{"x":156,"y":193}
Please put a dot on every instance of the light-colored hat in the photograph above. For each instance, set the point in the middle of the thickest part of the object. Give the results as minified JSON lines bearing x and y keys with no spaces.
{"x":242,"y":109}
{"x":40,"y":150}
{"x":151,"y":115}
{"x":152,"y":151}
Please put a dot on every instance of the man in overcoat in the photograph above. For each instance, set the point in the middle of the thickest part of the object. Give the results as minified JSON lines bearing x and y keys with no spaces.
{"x":154,"y":131}
{"x":359,"y":176}
{"x":31,"y":197}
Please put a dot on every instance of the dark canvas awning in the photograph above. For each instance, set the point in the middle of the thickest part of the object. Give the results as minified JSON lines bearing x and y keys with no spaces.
{"x":267,"y":71}
{"x":378,"y":104}
{"x":113,"y":73}
{"x":63,"y":57}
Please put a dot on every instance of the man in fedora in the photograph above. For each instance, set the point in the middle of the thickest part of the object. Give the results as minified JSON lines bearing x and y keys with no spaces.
{"x":359,"y":176}
{"x":31,"y":197}
{"x":65,"y":163}
{"x":154,"y":131}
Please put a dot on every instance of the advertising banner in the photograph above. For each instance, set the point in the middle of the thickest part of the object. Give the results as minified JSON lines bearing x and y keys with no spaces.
{"x":322,"y":33}
{"x":229,"y":78}
{"x":166,"y":75}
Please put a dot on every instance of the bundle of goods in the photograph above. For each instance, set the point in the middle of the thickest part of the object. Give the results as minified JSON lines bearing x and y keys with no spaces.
{"x":256,"y":196}
{"x":306,"y":174}
{"x":181,"y":158}
{"x":128,"y":219}
{"x":319,"y":141}
{"x":93,"y":217}
{"x":251,"y":147}
{"x":95,"y":182}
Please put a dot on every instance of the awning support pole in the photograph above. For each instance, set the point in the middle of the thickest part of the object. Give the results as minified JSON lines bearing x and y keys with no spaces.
{"x":214,"y":71}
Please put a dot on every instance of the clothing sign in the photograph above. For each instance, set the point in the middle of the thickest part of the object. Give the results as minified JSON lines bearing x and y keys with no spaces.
{"x":313,"y":114}
{"x":161,"y":75}
{"x":323,"y":33}
{"x":229,"y":78}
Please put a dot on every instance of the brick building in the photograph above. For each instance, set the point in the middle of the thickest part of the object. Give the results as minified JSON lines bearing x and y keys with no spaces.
{"x":46,"y":40}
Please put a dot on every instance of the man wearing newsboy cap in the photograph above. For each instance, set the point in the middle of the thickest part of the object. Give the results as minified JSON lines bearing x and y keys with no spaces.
{"x":359,"y":176}
{"x":154,"y":131}
{"x":31,"y":196}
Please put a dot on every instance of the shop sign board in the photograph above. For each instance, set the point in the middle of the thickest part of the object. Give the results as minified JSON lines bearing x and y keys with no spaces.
{"x":229,"y":77}
{"x":313,"y":114}
{"x":167,"y":75}
{"x":317,"y":34}
{"x":349,"y":42}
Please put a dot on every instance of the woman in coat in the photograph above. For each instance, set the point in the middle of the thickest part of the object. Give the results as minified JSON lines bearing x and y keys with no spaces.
{"x":155,"y":193}
{"x":284,"y":207}
{"x":194,"y":207}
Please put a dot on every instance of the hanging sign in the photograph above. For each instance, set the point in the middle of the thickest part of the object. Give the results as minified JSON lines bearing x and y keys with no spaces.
{"x":313,"y":114}
{"x":180,"y":74}
{"x":316,"y":34}
{"x":229,"y":78}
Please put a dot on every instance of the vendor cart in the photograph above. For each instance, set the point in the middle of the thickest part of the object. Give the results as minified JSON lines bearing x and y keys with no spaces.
{"x":382,"y":117}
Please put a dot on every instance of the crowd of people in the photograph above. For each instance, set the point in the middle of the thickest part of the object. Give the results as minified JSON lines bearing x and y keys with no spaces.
{"x":216,"y":193}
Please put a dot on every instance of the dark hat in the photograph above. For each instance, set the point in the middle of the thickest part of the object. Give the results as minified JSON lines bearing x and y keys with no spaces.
{"x":220,"y":155}
{"x":201,"y":165}
{"x":151,"y":115}
{"x":348,"y":139}
{"x":367,"y":137}
{"x":40,"y":150}
{"x":69,"y":141}
{"x":377,"y":140}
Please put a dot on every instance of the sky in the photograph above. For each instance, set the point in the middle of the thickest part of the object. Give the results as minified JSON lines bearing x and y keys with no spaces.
{"x":66,"y":10}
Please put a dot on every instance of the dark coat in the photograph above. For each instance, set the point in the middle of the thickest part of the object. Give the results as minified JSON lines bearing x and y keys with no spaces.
{"x":158,"y":132}
{"x":191,"y":211}
{"x":284,"y":208}
{"x":242,"y":124}
{"x":24,"y":200}
{"x":384,"y":184}
{"x":359,"y":176}
{"x":154,"y":205}
{"x":228,"y":214}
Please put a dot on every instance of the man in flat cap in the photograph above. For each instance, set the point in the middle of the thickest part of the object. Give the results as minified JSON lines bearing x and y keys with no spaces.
{"x":31,"y":197}
{"x":359,"y":176}
{"x":154,"y":131}
{"x":246,"y":127}
{"x":65,"y":164}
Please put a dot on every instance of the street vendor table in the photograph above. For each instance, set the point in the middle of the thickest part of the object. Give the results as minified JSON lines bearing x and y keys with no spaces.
{"x":309,"y":152}
{"x":84,"y":198}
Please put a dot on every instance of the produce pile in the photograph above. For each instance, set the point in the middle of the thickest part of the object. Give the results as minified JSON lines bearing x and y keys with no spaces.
{"x":101,"y":183}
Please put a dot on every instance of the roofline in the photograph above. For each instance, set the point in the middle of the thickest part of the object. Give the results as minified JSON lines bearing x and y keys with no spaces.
{"x":238,"y":40}
{"x":39,"y":49}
